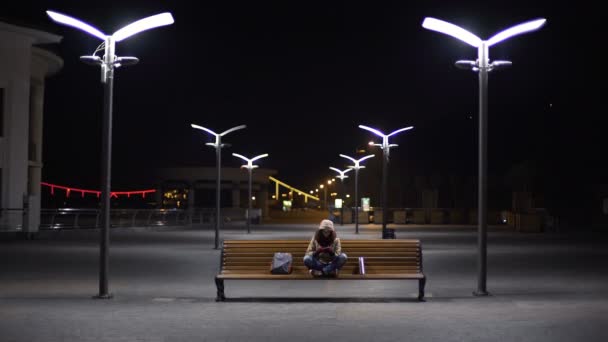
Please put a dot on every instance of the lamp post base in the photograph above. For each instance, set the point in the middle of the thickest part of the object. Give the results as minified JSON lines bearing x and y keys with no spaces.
{"x":104,"y":296}
{"x":481,"y":293}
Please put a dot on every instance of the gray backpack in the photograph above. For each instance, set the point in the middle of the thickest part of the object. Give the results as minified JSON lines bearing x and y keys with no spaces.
{"x":281,"y":263}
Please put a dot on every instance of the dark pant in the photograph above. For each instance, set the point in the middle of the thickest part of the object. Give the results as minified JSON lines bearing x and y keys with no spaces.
{"x":336,"y":264}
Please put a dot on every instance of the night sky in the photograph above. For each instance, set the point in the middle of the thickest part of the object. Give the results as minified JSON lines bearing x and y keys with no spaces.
{"x":302,"y":75}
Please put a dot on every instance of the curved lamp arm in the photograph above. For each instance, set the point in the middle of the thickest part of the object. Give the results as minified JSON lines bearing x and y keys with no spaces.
{"x":143,"y":25}
{"x":400,"y":130}
{"x":515,"y":30}
{"x":69,"y":21}
{"x":451,"y":30}
{"x":232,"y":130}
{"x":373,"y":130}
{"x":355,"y":160}
{"x":204,"y":129}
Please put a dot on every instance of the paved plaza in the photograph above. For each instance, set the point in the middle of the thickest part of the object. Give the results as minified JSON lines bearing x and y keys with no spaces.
{"x":544,"y":287}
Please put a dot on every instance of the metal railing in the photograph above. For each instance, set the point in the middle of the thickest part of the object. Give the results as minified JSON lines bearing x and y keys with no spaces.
{"x":70,"y":218}
{"x":11,"y":220}
{"x":423,"y":215}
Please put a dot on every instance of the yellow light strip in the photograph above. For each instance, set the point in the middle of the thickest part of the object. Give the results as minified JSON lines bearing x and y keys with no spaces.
{"x":300,"y":192}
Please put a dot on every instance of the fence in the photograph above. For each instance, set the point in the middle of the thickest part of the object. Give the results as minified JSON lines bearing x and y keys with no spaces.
{"x":426,"y":216}
{"x":70,"y":218}
{"x":11,"y":220}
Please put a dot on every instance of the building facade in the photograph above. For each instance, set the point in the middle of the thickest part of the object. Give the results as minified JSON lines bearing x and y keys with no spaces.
{"x":194,"y":187}
{"x":23,"y":69}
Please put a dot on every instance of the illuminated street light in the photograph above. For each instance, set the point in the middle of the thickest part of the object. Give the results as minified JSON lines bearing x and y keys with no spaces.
{"x":218,"y":153}
{"x":341,"y":176}
{"x":108,"y":63}
{"x":356,"y":167}
{"x":250,"y":168}
{"x":386,"y":147}
{"x":483,"y":66}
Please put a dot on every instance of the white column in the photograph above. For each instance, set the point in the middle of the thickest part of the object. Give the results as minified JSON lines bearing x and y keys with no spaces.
{"x":15,"y":74}
{"x":35,"y":156}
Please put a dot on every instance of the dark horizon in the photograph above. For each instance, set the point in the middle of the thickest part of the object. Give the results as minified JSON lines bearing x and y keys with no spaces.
{"x":303,"y":76}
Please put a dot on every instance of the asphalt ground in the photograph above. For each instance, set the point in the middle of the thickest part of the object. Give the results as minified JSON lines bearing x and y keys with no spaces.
{"x":543,"y":287}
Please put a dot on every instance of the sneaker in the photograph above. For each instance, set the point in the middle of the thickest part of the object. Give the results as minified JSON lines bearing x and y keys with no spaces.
{"x":331,"y":274}
{"x":315,"y":273}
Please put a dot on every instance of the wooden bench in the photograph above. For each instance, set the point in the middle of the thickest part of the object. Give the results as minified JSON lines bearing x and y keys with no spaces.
{"x":383,"y":259}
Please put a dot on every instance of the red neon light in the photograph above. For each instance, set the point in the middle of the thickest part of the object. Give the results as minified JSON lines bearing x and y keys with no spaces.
{"x":98,"y":193}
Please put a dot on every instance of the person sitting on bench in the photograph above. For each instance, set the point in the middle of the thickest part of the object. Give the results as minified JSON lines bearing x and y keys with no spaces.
{"x":324,"y":255}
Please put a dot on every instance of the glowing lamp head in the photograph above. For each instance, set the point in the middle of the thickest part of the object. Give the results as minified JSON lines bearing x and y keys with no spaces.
{"x":471,"y":39}
{"x":125,"y":32}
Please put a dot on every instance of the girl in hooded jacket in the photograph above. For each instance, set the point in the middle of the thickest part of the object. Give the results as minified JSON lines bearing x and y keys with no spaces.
{"x":324,"y":255}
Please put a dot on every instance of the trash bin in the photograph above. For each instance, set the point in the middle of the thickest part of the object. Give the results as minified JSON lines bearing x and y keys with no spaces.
{"x":389,"y":233}
{"x":256,"y":216}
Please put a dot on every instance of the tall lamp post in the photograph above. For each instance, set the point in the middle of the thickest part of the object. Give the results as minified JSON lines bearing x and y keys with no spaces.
{"x":250,"y":168}
{"x":329,"y":182}
{"x":321,"y":186}
{"x":356,"y":167}
{"x":386,"y":147}
{"x":341,"y":176}
{"x":108,"y":63}
{"x":218,"y":153}
{"x":483,"y":66}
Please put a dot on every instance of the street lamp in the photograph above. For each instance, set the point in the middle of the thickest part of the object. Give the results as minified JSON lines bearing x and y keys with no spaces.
{"x":250,"y":168}
{"x":341,"y":176}
{"x":108,"y":63}
{"x":356,"y":167}
{"x":321,"y":186}
{"x":483,"y":66}
{"x":385,"y":153}
{"x":329,"y":181}
{"x":218,"y":153}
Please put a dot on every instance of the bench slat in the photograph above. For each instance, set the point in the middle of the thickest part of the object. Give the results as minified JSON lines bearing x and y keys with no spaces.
{"x":348,"y":264}
{"x":284,"y":242}
{"x":357,"y":250}
{"x":347,"y":269}
{"x":300,"y":276}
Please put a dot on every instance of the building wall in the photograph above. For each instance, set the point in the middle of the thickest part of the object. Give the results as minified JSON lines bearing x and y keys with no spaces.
{"x":201,"y":182}
{"x":23,"y":68}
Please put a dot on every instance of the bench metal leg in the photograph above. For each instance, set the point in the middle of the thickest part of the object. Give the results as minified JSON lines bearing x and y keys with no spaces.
{"x":220,"y":290}
{"x":421,"y":284}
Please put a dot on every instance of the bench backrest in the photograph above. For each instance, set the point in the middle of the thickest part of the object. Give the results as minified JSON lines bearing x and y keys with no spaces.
{"x":381,"y":256}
